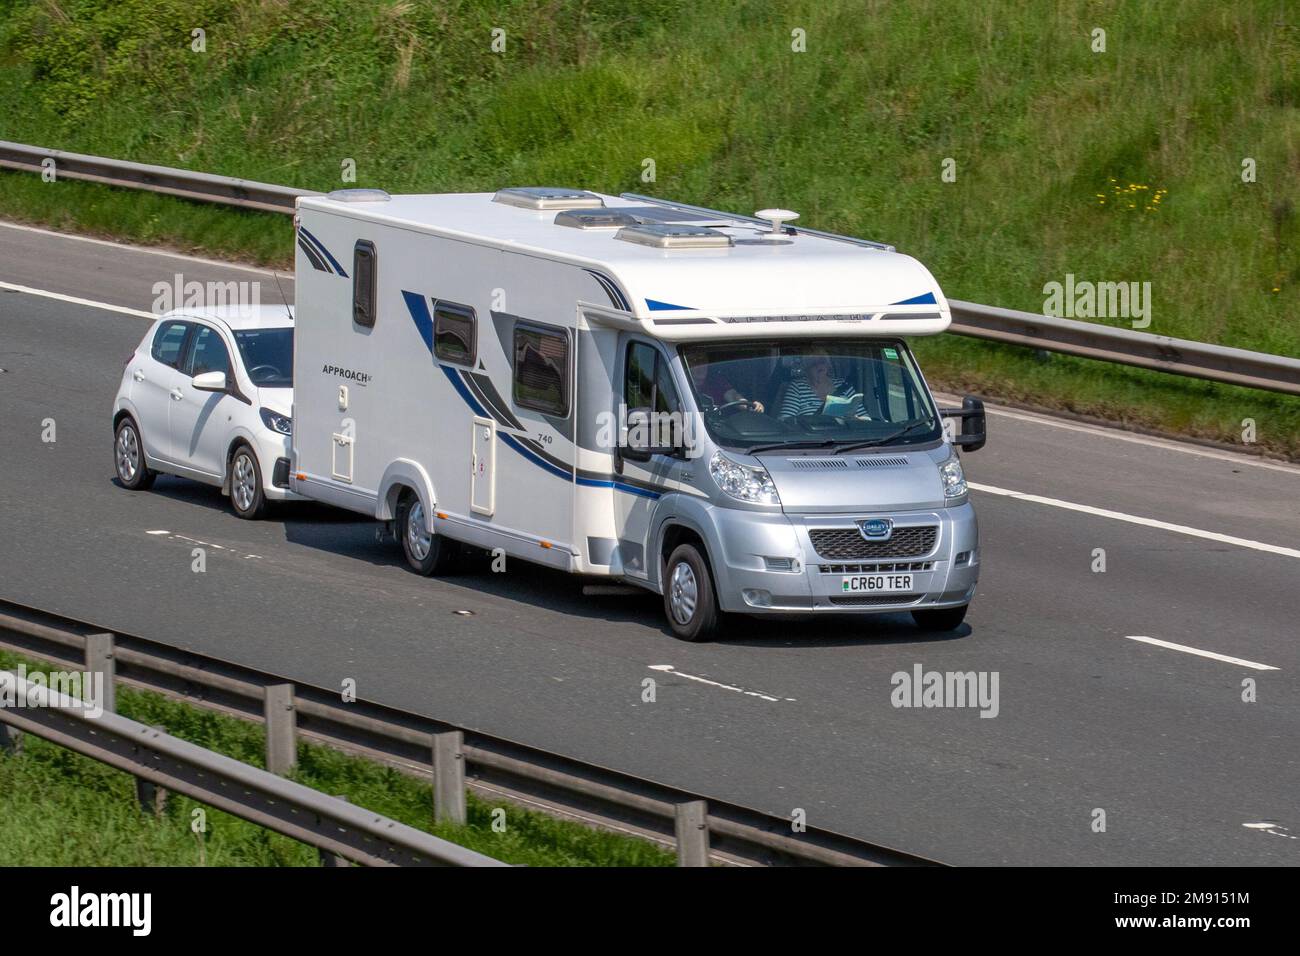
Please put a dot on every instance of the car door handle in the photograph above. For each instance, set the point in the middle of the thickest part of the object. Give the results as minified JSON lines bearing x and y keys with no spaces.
{"x":138,"y":375}
{"x":177,"y":394}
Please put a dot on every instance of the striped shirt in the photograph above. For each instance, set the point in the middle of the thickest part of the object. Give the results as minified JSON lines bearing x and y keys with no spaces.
{"x":800,"y":399}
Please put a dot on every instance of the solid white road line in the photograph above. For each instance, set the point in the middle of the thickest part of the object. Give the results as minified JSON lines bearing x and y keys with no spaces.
{"x":149,"y":250}
{"x":1135,"y":519}
{"x":1200,"y":653}
{"x":1151,"y":441}
{"x":91,"y":303}
{"x":668,"y":669}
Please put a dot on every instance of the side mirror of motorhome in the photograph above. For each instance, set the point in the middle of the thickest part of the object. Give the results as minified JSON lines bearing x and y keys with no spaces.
{"x":973,"y":429}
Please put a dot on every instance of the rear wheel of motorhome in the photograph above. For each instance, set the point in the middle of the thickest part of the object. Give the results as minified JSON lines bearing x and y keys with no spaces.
{"x":246,"y":484}
{"x":940,"y":619}
{"x":128,"y":456}
{"x":689,"y":601}
{"x":426,"y":553}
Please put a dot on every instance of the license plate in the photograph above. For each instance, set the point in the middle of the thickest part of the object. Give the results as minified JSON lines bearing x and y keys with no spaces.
{"x":875,"y":583}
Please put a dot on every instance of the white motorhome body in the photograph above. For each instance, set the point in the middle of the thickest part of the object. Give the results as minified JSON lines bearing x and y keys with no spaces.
{"x":474,"y":356}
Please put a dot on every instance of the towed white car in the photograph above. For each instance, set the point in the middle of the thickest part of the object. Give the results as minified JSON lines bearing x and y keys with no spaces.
{"x":208,"y":395}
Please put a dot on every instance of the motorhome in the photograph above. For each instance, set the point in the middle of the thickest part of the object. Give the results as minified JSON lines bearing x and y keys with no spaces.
{"x":721,"y":409}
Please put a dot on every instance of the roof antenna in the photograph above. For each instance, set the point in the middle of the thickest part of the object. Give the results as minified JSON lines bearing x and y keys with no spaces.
{"x":284,"y":300}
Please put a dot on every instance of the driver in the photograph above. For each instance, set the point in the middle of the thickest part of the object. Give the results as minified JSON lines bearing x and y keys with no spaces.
{"x":807,"y":395}
{"x":714,"y":386}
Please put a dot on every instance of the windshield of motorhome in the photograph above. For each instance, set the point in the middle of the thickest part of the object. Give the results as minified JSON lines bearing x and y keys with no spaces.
{"x":810,"y":393}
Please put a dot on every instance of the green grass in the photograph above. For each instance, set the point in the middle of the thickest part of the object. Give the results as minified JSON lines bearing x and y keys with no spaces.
{"x":58,"y":808}
{"x":852,"y":133}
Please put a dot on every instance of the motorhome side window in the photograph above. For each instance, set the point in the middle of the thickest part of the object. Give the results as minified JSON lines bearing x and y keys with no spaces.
{"x":454,"y":333}
{"x":363,"y":283}
{"x":542,"y":369}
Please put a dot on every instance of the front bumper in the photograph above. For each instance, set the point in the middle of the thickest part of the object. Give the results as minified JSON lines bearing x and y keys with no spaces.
{"x":755,"y":549}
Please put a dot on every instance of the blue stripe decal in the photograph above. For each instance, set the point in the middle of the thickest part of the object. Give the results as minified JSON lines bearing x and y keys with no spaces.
{"x":619,"y":486}
{"x":514,"y":443}
{"x":927,"y":299}
{"x":457,"y":384}
{"x":655,"y":305}
{"x":418,"y":306}
{"x":321,"y":246}
{"x":312,"y":255}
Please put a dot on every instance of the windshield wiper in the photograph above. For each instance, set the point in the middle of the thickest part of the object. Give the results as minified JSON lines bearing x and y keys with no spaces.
{"x":790,"y":444}
{"x":907,"y":429}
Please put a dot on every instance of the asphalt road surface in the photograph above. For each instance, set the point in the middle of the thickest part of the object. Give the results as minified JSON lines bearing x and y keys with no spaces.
{"x":1202,"y":550}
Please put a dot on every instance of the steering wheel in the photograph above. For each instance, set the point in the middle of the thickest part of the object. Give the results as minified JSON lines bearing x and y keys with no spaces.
{"x":274,"y":372}
{"x":747,"y":403}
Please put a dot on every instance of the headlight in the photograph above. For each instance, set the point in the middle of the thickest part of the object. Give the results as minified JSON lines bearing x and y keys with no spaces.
{"x":276,"y":422}
{"x":954,"y":481}
{"x":743,"y":481}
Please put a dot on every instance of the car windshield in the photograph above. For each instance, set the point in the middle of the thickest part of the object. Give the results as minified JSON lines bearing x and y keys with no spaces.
{"x":810,"y":393}
{"x":268,"y":356}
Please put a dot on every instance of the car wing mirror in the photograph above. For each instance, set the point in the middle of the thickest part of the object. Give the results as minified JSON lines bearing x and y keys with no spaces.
{"x":209,"y":382}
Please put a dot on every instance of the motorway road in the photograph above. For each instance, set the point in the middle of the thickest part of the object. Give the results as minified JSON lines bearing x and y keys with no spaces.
{"x":1158,"y":738}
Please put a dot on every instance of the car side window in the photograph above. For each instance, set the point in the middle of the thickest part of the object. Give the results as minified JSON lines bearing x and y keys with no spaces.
{"x":207,"y":353}
{"x":167,"y":343}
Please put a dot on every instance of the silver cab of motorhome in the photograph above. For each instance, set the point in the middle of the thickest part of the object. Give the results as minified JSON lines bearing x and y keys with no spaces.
{"x":722,"y":409}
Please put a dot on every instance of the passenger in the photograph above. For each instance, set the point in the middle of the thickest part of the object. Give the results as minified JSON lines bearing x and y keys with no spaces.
{"x":713,"y":385}
{"x":808,"y":395}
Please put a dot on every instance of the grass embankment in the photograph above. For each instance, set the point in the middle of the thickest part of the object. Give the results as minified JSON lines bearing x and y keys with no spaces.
{"x":1060,"y":151}
{"x":58,"y":808}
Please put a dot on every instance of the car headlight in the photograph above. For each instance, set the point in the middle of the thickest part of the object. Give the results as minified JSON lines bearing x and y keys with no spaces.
{"x":276,"y":422}
{"x":743,"y":482}
{"x":954,"y":480}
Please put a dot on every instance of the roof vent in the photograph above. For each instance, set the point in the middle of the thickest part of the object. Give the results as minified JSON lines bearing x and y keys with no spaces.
{"x":358,"y":195}
{"x":665,"y":236}
{"x":547,"y":197}
{"x":595,"y":218}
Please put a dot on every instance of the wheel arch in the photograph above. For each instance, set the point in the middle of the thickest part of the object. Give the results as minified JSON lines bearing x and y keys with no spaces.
{"x":404,"y":473}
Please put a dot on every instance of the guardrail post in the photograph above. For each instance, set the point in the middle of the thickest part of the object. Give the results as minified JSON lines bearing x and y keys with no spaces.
{"x":151,"y":797}
{"x":449,"y":777}
{"x":281,"y":728}
{"x":100,"y":661}
{"x":692,"y":825}
{"x":331,"y":860}
{"x":11,"y":740}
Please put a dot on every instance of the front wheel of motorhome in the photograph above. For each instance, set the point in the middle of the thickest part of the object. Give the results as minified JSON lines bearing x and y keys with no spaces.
{"x":426,"y":553}
{"x":689,"y":601}
{"x":940,"y":619}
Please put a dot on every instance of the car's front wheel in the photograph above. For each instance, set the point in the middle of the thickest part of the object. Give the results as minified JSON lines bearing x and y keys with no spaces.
{"x":246,"y":495}
{"x":128,"y":457}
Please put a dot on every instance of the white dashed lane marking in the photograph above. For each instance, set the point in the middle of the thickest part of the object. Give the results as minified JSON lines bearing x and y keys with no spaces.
{"x":669,"y":669}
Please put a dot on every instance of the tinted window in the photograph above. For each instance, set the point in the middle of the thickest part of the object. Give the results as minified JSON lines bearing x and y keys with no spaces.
{"x":453,"y":333}
{"x":638,"y":382}
{"x":167,"y":342}
{"x":268,"y":356}
{"x":207,"y":353}
{"x":542,"y":370}
{"x":363,"y":283}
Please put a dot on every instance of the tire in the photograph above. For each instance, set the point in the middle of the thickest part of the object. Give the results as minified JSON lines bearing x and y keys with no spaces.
{"x":940,"y":619}
{"x":246,"y":494}
{"x":690,"y":603}
{"x":128,"y":457}
{"x":426,"y":553}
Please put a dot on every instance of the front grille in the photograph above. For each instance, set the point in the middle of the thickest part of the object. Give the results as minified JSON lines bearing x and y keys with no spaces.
{"x":847,"y":544}
{"x":875,"y":568}
{"x":875,"y":600}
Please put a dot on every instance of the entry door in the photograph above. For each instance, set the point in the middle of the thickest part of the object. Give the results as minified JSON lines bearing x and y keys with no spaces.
{"x":646,"y":385}
{"x":483,"y":457}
